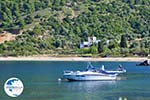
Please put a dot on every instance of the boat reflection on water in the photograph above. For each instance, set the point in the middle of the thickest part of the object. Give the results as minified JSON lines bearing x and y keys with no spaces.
{"x":121,"y":78}
{"x":89,"y":86}
{"x":92,"y":90}
{"x":121,"y":98}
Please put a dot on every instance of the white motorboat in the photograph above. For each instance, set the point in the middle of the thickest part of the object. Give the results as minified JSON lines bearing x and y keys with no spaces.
{"x":92,"y":74}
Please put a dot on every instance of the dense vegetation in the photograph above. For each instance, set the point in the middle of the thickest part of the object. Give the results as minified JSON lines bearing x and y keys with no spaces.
{"x":58,"y":27}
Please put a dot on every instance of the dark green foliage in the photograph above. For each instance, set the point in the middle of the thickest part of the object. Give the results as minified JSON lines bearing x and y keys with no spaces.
{"x":57,"y":44}
{"x":123,"y":42}
{"x":100,"y":47}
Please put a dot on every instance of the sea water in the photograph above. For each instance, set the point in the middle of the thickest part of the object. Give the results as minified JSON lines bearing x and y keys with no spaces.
{"x":40,"y":80}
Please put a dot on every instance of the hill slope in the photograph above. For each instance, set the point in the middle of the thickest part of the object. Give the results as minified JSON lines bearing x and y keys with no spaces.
{"x":59,"y":26}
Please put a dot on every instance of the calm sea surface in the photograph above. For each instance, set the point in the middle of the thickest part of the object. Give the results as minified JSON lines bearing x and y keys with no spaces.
{"x":40,"y":81}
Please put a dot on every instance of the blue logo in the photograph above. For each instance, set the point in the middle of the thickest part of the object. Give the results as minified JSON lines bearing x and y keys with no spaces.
{"x":13,"y":87}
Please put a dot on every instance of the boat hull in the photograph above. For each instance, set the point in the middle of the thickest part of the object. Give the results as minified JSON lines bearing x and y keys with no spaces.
{"x":89,"y":78}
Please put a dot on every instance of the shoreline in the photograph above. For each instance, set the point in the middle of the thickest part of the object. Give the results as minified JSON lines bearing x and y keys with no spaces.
{"x":47,"y":58}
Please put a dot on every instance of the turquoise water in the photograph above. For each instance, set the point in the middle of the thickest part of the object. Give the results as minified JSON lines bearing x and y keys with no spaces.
{"x":40,"y":81}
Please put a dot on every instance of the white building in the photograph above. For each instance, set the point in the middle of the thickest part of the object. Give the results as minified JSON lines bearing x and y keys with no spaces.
{"x":90,"y":41}
{"x":84,"y":44}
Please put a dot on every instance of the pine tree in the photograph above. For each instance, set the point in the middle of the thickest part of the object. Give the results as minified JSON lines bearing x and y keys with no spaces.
{"x":100,"y":47}
{"x":123,"y":43}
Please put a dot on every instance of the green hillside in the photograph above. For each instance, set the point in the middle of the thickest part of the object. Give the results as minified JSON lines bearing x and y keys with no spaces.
{"x":59,"y":26}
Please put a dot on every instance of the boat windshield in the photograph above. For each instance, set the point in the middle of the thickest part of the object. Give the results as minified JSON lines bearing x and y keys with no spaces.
{"x":120,"y":68}
{"x":90,"y":67}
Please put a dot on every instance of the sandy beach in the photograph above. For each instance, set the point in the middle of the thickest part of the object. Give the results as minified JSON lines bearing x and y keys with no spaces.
{"x":47,"y":58}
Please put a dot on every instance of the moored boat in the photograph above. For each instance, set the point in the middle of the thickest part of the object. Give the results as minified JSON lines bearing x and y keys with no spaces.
{"x":93,"y":74}
{"x":144,"y":63}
